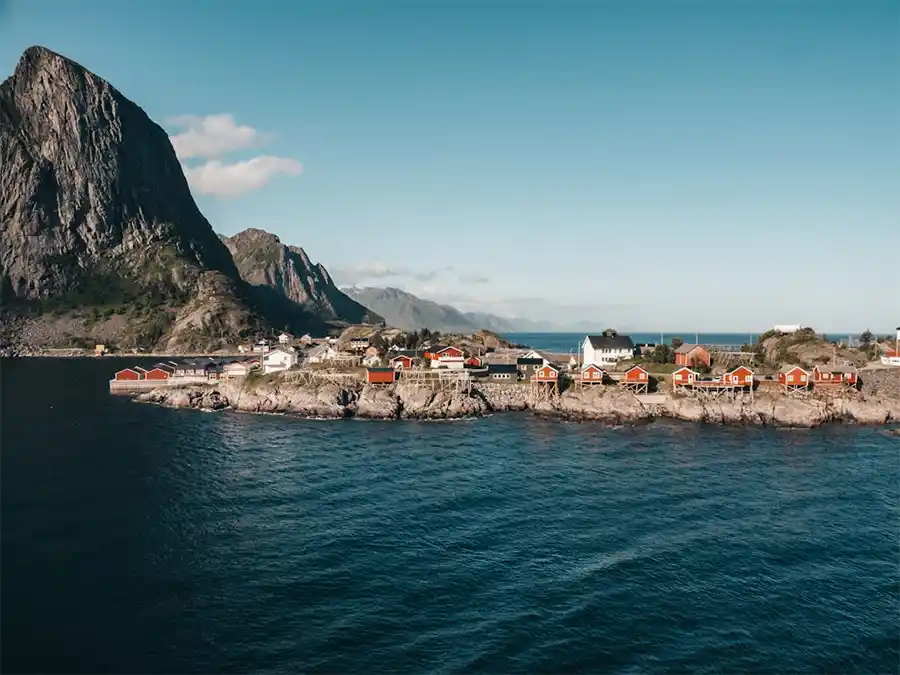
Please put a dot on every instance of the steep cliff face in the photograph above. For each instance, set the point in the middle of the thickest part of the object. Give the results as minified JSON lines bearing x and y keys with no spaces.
{"x":262,"y":260}
{"x":91,"y":190}
{"x":97,"y":220}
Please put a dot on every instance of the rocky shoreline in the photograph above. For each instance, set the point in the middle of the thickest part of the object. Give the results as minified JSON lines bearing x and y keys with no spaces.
{"x":607,"y":405}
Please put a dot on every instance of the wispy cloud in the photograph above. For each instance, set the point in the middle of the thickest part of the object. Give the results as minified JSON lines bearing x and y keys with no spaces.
{"x":233,"y":180}
{"x":210,"y":138}
{"x":474,"y":279}
{"x":379,"y":273}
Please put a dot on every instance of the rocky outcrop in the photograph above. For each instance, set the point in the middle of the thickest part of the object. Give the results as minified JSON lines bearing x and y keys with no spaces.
{"x":264,"y":261}
{"x":323,"y":401}
{"x":608,"y":405}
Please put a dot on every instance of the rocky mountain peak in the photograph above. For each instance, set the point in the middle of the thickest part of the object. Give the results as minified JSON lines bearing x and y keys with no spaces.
{"x":91,"y":187}
{"x":263,"y":260}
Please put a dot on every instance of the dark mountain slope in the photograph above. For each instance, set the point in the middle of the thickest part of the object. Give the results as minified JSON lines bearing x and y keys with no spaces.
{"x":262,"y":260}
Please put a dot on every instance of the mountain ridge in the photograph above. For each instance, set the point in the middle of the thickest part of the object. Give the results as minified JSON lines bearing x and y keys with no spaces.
{"x":100,"y":236}
{"x":407,"y":311}
{"x":263,"y":260}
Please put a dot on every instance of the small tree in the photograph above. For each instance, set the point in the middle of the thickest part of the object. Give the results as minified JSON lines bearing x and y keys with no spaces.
{"x":866,"y":337}
{"x":610,"y":332}
{"x":677,"y":342}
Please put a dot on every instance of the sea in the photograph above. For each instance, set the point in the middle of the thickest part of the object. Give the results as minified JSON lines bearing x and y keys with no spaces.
{"x":140,"y":539}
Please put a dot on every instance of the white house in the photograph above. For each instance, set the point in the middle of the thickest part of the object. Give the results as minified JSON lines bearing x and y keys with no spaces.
{"x":537,"y":355}
{"x":322,"y":353}
{"x":278,"y":360}
{"x":306,"y":339}
{"x":449,"y":357}
{"x":892,"y":356}
{"x":285,"y":338}
{"x":787,"y":329}
{"x":604,"y":350}
{"x":371,"y":361}
{"x":261,"y":347}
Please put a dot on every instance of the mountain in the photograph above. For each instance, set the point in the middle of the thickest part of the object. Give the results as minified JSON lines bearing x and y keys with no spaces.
{"x":100,"y":237}
{"x":262,"y":260}
{"x":409,"y":312}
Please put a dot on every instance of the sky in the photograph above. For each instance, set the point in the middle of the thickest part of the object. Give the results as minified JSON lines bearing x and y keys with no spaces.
{"x":711,"y":166}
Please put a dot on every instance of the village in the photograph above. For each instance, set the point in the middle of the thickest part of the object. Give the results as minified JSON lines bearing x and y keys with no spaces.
{"x":607,"y":359}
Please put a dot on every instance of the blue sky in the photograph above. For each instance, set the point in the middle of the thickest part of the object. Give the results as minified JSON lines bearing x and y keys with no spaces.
{"x":678,"y":165}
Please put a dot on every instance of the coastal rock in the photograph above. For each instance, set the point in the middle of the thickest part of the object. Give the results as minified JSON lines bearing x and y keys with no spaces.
{"x":379,"y":403}
{"x":502,"y":397}
{"x":605,"y":404}
{"x":423,"y":403}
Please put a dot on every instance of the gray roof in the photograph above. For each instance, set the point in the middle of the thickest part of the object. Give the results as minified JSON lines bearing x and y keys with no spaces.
{"x":787,"y":367}
{"x":617,"y":342}
{"x":686,"y":348}
{"x":502,"y":368}
{"x":836,"y":369}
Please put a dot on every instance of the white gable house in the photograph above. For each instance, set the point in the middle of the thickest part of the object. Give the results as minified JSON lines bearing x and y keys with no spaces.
{"x":278,"y":360}
{"x":604,"y":350}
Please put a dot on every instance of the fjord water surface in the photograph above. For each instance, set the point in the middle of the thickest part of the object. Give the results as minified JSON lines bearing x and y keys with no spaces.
{"x":141,"y":539}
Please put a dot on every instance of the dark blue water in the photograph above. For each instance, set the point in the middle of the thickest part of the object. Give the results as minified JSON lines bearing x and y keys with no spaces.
{"x":566,"y":342}
{"x":139,"y":539}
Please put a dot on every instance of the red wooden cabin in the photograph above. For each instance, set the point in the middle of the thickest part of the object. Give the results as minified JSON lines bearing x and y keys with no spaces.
{"x":636,"y":375}
{"x":592,"y":374}
{"x":684,"y":376}
{"x":794,"y":376}
{"x":128,"y":374}
{"x":834,"y":375}
{"x":546,"y":374}
{"x":741,"y":376}
{"x":158,"y":372}
{"x":691,"y":355}
{"x":380,"y":375}
{"x":402,"y":361}
{"x":474,"y":361}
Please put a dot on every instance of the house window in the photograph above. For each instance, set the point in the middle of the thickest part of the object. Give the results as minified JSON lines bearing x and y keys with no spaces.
{"x":677,"y":377}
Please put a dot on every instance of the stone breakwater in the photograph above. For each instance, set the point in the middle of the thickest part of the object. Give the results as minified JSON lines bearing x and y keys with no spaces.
{"x":604,"y":404}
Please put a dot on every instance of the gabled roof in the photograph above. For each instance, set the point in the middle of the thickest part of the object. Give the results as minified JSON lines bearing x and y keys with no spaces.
{"x":687,"y":349}
{"x":402,"y":356}
{"x":524,"y":361}
{"x":592,"y":366}
{"x":380,"y":370}
{"x":741,"y":367}
{"x":549,"y":367}
{"x":443,"y":349}
{"x":645,"y":370}
{"x":678,"y":370}
{"x":786,"y":368}
{"x":618,"y":342}
{"x":502,"y":368}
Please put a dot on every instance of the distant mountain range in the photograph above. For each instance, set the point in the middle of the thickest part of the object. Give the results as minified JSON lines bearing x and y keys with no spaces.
{"x":409,"y":312}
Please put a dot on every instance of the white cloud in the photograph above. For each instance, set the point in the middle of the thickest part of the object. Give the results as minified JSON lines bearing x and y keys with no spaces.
{"x":212,"y":136}
{"x":232,"y":180}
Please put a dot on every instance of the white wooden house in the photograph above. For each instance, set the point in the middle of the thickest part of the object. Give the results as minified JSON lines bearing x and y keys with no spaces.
{"x":322,"y":353}
{"x":279,"y":360}
{"x":604,"y":350}
{"x":285,"y":339}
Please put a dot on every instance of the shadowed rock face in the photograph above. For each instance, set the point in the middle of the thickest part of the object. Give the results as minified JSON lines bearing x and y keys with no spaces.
{"x":91,"y":187}
{"x":263,"y":260}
